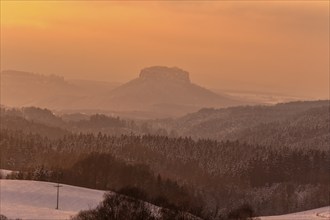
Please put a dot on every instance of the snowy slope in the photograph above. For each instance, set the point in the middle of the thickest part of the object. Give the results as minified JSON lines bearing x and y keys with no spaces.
{"x":37,"y":200}
{"x":315,"y":214}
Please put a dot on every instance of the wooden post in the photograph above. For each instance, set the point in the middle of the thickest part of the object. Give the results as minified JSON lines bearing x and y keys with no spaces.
{"x":58,"y":194}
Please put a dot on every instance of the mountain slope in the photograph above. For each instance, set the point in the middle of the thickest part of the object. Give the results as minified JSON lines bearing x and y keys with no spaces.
{"x":157,"y":92}
{"x":20,"y":89}
{"x":289,"y":124}
{"x":165,"y":90}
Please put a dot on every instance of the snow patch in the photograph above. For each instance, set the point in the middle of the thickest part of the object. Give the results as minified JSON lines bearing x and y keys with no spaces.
{"x":315,"y":214}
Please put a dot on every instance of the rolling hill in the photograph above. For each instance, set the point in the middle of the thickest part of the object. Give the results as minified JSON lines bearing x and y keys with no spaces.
{"x":21,"y":89}
{"x":299,"y":124}
{"x":37,"y":200}
{"x":26,"y":199}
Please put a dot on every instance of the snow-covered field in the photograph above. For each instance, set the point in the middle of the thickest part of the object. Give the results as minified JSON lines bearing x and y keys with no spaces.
{"x":37,"y":200}
{"x":315,"y":214}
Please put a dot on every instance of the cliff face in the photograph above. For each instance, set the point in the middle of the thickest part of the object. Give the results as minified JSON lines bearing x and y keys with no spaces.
{"x":161,"y":73}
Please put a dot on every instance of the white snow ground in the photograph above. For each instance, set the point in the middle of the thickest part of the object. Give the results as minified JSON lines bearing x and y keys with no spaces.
{"x":315,"y":214}
{"x":37,"y":200}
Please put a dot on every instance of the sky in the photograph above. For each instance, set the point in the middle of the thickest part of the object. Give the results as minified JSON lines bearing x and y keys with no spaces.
{"x":271,"y":46}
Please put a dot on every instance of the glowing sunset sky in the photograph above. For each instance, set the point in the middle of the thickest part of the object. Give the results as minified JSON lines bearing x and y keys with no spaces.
{"x":272,"y":46}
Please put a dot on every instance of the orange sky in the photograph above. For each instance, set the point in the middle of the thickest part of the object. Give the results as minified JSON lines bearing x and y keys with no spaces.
{"x":278,"y":46}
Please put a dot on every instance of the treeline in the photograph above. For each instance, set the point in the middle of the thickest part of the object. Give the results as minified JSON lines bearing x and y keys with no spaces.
{"x":296,"y":124}
{"x":102,"y":171}
{"x":45,"y":122}
{"x":224,"y":175}
{"x":121,"y":207}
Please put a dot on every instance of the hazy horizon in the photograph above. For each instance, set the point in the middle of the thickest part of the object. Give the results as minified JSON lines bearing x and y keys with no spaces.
{"x":252,"y":88}
{"x":264,"y":46}
{"x":162,"y":110}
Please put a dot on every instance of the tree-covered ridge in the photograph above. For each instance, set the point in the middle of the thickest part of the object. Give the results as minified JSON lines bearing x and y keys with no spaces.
{"x":40,"y":121}
{"x":296,"y":124}
{"x":215,"y":170}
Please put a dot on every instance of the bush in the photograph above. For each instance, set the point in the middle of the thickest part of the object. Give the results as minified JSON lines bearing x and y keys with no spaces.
{"x":244,"y":212}
{"x":117,"y":207}
{"x":2,"y":217}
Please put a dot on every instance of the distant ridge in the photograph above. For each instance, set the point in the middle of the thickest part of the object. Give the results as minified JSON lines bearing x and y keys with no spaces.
{"x":19,"y":89}
{"x":158,"y":92}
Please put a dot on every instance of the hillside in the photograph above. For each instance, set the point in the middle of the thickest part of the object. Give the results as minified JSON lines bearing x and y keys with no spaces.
{"x":44,"y":122}
{"x":158,"y":92}
{"x":295,"y":124}
{"x":25,"y":199}
{"x":167,"y":91}
{"x":287,"y":124}
{"x":276,"y":157}
{"x":19,"y":89}
{"x":273,"y":180}
{"x":37,"y":200}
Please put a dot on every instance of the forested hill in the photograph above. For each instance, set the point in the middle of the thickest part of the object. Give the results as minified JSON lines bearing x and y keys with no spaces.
{"x":224,"y":174}
{"x":296,"y":124}
{"x":46,"y":123}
